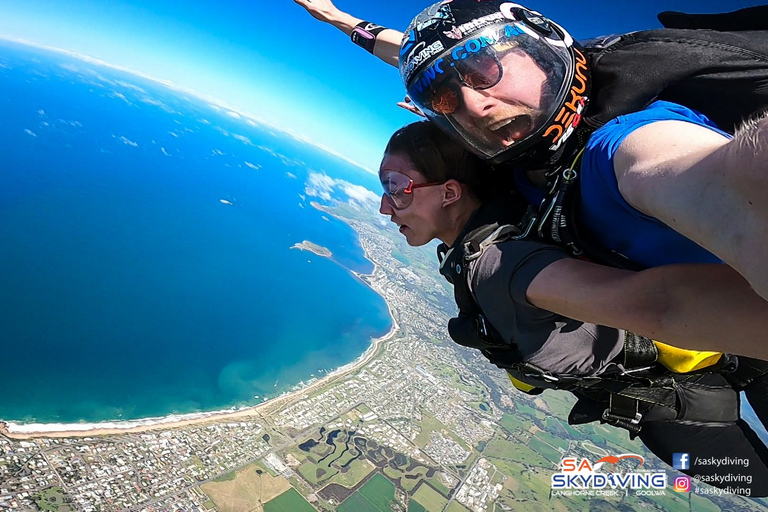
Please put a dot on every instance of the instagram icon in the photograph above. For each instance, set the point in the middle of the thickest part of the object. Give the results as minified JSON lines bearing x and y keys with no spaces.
{"x":682,"y":483}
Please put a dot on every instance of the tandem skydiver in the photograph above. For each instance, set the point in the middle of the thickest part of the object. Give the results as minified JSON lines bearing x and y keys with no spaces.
{"x":381,"y":41}
{"x":653,"y":172}
{"x":436,"y":189}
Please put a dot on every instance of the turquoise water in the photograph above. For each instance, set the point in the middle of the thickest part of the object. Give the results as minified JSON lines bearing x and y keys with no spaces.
{"x":128,"y":289}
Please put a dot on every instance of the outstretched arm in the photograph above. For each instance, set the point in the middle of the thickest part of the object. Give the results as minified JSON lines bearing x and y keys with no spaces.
{"x":387,"y":44}
{"x":697,"y":306}
{"x":711,"y":190}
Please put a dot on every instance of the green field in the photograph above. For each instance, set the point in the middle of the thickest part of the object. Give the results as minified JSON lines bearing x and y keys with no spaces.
{"x":429,"y":498}
{"x":439,"y":485}
{"x":379,"y":491}
{"x":52,"y":499}
{"x":357,"y":503}
{"x":702,"y":504}
{"x":289,"y":501}
{"x":228,"y":477}
{"x":309,"y":471}
{"x":527,"y":409}
{"x":429,"y":424}
{"x":556,"y":442}
{"x":513,"y":423}
{"x":320,"y":472}
{"x":544,"y":449}
{"x":408,"y":484}
{"x":375,"y":495}
{"x":356,"y":471}
{"x":455,"y":506}
{"x":616,"y":436}
{"x":509,"y":451}
{"x":415,"y":507}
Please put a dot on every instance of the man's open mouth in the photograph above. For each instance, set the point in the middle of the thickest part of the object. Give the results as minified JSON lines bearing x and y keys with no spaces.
{"x":514,"y":129}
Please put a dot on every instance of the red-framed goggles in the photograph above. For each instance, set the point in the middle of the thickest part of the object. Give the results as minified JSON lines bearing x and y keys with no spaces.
{"x":399,"y":188}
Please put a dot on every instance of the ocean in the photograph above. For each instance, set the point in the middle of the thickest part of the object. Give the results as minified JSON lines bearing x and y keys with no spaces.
{"x":146,"y":266}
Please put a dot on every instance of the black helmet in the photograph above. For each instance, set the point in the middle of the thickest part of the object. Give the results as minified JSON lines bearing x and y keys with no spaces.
{"x":506,"y":81}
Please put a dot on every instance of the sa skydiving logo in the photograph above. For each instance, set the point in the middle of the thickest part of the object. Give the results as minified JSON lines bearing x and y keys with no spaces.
{"x":606,"y":473}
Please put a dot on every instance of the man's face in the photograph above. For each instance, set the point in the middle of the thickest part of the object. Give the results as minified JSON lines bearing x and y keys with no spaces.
{"x":510,"y":110}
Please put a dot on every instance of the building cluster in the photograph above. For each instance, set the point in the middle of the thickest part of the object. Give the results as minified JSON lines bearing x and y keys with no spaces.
{"x":478,"y":491}
{"x":128,"y":471}
{"x":418,"y":389}
{"x":445,"y":450}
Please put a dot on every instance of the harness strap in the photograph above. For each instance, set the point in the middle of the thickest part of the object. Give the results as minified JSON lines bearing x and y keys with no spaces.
{"x":639,"y":351}
{"x":623,"y":412}
{"x":635,"y":382}
{"x":746,"y":371}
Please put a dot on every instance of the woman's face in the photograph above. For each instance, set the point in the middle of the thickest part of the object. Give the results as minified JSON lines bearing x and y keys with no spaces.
{"x":419,"y":221}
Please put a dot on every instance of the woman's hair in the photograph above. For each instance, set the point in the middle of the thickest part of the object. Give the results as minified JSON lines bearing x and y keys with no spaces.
{"x":440,"y":158}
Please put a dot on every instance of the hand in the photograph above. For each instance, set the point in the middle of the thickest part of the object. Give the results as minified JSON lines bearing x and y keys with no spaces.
{"x":322,"y":10}
{"x":408,"y":105}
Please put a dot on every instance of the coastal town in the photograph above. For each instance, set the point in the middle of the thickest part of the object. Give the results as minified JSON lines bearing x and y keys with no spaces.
{"x":418,"y":423}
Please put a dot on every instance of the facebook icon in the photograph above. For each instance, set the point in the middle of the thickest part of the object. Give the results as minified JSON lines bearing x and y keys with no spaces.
{"x":681,"y":461}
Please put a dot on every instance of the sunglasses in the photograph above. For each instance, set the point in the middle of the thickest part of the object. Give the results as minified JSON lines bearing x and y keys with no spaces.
{"x":480,"y":71}
{"x":399,"y":188}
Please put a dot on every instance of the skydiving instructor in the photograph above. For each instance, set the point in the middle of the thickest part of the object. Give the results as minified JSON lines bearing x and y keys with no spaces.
{"x":667,"y":171}
{"x":450,"y":105}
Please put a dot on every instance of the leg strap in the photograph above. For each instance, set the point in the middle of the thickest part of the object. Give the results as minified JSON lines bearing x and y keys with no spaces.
{"x":623,"y":412}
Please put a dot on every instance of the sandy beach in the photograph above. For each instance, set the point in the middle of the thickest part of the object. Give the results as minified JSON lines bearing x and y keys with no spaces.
{"x":35,"y":430}
{"x":60,"y":430}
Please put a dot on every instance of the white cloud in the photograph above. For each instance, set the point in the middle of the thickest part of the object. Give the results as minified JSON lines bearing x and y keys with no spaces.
{"x":359,"y":194}
{"x":127,"y":141}
{"x":157,"y":103}
{"x":243,"y":139}
{"x":120,"y":96}
{"x":323,"y":186}
{"x":129,"y":86}
{"x":320,"y":185}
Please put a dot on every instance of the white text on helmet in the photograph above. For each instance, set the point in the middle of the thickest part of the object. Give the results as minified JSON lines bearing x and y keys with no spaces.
{"x":472,"y":46}
{"x":423,"y":55}
{"x":478,"y":43}
{"x":427,"y":77}
{"x":477,"y":23}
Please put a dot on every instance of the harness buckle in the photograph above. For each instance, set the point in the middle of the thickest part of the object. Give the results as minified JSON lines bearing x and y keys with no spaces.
{"x":623,"y":412}
{"x":570,"y":175}
{"x":610,"y":417}
{"x":481,"y":327}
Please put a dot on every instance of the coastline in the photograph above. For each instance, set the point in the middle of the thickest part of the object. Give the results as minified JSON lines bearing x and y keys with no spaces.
{"x":27,"y":431}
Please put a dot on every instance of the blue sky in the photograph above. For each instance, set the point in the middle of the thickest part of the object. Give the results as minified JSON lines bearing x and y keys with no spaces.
{"x":269,"y":58}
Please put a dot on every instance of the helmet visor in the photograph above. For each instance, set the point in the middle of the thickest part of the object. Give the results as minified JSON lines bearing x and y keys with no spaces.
{"x":496,"y":90}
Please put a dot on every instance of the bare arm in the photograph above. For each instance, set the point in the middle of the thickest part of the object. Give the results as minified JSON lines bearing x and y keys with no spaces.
{"x":700,"y":307}
{"x":707,"y":188}
{"x":387,"y":42}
